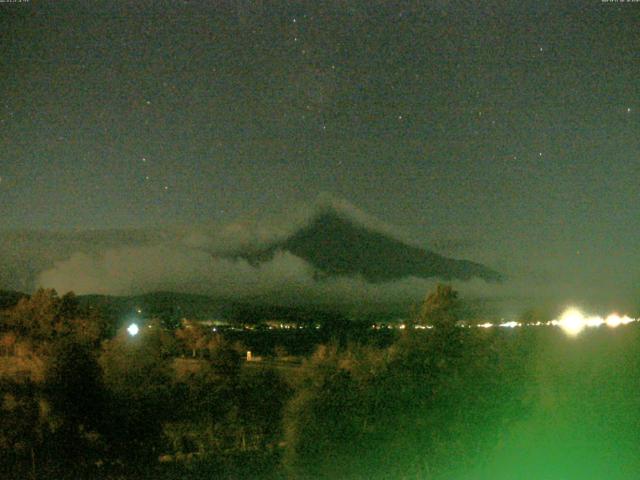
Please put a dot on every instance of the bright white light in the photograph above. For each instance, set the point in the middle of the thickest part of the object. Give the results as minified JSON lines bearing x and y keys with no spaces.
{"x":593,"y":321}
{"x":509,"y":324}
{"x":613,"y":320}
{"x":572,"y":321}
{"x":626,"y":320}
{"x":486,"y":325}
{"x":133,"y":329}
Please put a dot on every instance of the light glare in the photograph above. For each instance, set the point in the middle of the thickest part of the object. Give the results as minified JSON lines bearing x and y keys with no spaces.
{"x":509,"y":325}
{"x":613,"y":320}
{"x":133,"y":329}
{"x":572,"y":321}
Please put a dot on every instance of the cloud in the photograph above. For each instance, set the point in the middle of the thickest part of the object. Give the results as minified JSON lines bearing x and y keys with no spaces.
{"x":204,"y":260}
{"x":164,"y":267}
{"x":260,"y":231}
{"x":284,"y":280}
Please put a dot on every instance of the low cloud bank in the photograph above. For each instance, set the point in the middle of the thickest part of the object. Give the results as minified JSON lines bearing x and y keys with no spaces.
{"x":285,"y":279}
{"x":136,"y":270}
{"x":204,"y":260}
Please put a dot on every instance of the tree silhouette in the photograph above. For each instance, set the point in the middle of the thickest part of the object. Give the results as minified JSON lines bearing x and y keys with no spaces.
{"x":36,"y":316}
{"x":138,"y":379}
{"x":441,"y":308}
{"x":192,"y":335}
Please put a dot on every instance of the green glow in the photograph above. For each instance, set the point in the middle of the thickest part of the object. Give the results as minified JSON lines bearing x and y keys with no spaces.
{"x":585,"y":418}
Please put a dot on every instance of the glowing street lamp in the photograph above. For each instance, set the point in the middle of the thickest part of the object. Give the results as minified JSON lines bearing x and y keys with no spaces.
{"x":133,"y":329}
{"x":572,"y":322}
{"x":613,"y":320}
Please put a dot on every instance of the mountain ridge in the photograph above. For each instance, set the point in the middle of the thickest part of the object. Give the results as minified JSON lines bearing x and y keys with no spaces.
{"x":336,"y":244}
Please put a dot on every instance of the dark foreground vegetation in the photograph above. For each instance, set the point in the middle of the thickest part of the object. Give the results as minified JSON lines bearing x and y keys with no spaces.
{"x":77,"y":401}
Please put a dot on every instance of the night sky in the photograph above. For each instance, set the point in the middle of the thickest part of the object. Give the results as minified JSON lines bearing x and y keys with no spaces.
{"x":511,"y":128}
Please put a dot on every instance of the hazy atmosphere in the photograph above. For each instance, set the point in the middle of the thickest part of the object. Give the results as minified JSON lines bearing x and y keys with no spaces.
{"x":203,"y":259}
{"x":505,"y":134}
{"x":300,"y":240}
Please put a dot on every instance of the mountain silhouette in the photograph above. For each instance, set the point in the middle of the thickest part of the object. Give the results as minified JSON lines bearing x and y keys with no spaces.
{"x":336,"y":244}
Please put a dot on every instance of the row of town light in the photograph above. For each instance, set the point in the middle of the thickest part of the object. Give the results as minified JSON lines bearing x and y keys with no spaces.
{"x":572,"y":322}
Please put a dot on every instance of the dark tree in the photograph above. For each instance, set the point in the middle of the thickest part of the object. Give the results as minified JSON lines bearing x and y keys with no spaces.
{"x":421,"y":408}
{"x":138,"y":379}
{"x":74,"y":390}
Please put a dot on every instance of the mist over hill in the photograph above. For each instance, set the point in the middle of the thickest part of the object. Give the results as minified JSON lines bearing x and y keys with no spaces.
{"x":330,"y":256}
{"x":338,"y":245}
